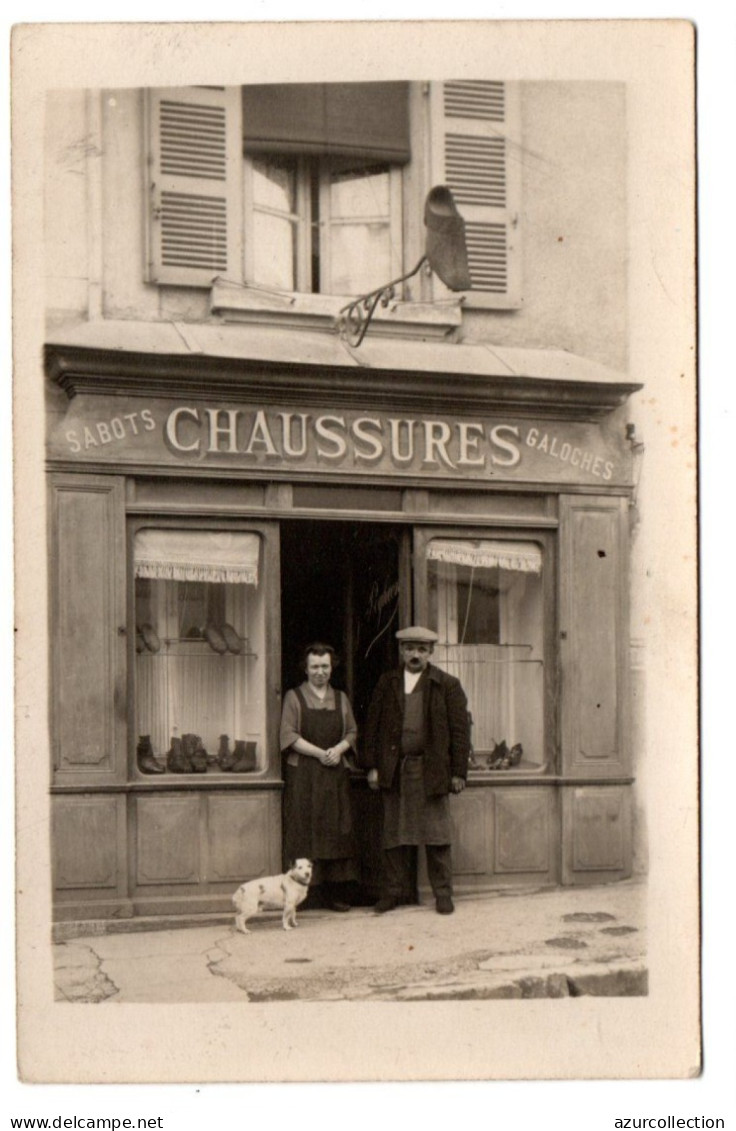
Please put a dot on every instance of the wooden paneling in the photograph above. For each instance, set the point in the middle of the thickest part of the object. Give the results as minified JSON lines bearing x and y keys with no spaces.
{"x":491,"y":505}
{"x":88,"y":627}
{"x":241,"y":838}
{"x":168,"y":839}
{"x":89,"y":843}
{"x":471,"y":814}
{"x":593,"y":636}
{"x":523,"y":823}
{"x":206,"y":841}
{"x":194,"y":497}
{"x":596,"y":833}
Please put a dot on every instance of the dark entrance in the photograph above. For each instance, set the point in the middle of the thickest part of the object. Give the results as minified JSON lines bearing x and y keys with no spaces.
{"x":348,"y":585}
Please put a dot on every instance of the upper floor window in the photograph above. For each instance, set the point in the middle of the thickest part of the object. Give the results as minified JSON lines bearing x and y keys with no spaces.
{"x":319,"y":188}
{"x":327,"y":225}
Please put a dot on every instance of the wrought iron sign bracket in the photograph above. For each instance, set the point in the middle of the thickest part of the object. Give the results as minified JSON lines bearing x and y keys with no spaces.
{"x":355,"y":318}
{"x":445,"y":252}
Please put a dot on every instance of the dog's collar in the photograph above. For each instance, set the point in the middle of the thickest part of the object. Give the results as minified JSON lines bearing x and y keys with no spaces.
{"x":298,"y":880}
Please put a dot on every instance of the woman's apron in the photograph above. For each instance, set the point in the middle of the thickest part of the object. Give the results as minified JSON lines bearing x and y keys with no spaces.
{"x":317,"y":811}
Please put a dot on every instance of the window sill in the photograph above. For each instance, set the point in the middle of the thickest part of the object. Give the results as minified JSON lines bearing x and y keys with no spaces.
{"x":168,"y":783}
{"x":233,"y":302}
{"x":530,"y":769}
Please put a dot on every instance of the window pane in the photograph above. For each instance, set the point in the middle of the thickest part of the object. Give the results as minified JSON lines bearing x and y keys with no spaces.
{"x":359,"y":192}
{"x":273,"y":251}
{"x":485,"y":602}
{"x":359,"y":231}
{"x":274,"y":184}
{"x":360,"y":257}
{"x":274,"y":222}
{"x":199,"y":684}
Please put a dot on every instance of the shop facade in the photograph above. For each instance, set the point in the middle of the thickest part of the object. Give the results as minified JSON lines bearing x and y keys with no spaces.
{"x":229,"y":479}
{"x":201,"y":538}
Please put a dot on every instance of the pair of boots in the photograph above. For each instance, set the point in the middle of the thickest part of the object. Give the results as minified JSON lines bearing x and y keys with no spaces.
{"x":241,"y":760}
{"x":501,"y":758}
{"x":187,"y":755}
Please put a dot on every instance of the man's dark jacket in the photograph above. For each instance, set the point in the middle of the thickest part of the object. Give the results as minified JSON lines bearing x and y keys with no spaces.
{"x":446,"y":729}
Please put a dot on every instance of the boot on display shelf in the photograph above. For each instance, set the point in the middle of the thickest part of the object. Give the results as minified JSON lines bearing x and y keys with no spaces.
{"x":147,"y":761}
{"x":194,"y":753}
{"x":176,"y":760}
{"x":225,"y":756}
{"x":245,"y":757}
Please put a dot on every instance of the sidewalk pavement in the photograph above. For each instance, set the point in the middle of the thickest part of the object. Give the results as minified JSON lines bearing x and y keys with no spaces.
{"x":519,"y":943}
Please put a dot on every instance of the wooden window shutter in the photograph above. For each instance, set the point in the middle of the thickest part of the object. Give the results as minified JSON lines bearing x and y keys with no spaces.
{"x":594,"y":646}
{"x":475,"y":151}
{"x":194,"y":215}
{"x":88,"y":642}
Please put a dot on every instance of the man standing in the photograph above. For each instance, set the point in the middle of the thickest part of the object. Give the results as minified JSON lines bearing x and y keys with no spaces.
{"x":416,"y":748}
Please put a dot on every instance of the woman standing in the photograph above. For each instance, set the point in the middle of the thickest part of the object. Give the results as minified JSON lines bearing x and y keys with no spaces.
{"x":317,"y":730}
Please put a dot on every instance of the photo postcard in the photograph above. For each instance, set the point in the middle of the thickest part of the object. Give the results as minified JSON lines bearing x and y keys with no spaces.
{"x":356,"y":550}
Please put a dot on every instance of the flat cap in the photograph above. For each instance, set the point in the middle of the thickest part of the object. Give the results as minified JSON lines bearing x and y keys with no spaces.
{"x":417,"y":634}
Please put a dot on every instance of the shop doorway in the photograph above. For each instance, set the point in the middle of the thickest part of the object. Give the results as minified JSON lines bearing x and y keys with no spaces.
{"x":347,"y":584}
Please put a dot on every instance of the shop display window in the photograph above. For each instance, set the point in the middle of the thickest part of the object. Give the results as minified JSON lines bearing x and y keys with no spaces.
{"x":199,"y":685}
{"x":486,"y":604}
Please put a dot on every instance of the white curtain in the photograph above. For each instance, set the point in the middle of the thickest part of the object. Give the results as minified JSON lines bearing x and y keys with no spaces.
{"x":503,"y":680}
{"x":194,"y":555}
{"x":503,"y":684}
{"x":522,"y":557}
{"x":186,"y":687}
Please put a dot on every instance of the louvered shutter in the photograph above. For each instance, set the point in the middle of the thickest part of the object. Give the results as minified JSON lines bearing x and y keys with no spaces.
{"x":475,"y":151}
{"x":194,"y":215}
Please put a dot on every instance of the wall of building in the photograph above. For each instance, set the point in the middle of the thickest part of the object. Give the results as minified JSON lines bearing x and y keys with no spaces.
{"x":572,"y":227}
{"x":68,"y":145}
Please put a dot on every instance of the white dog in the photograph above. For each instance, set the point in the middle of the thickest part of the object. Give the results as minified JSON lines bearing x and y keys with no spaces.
{"x":273,"y":893}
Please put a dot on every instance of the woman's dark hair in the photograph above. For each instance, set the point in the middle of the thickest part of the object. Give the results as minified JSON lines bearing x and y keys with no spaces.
{"x":317,"y":648}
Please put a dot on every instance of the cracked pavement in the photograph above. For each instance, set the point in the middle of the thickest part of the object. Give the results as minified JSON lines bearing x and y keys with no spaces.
{"x":501,"y":944}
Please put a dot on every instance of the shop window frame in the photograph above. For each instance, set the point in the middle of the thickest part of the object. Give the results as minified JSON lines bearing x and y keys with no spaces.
{"x":269,"y":771}
{"x":548,"y":543}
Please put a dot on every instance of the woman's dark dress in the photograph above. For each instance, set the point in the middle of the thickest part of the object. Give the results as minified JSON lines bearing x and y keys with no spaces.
{"x":317,"y":809}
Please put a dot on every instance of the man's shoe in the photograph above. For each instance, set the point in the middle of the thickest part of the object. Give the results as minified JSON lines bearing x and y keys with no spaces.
{"x":388,"y":903}
{"x":337,"y":905}
{"x":445,"y":906}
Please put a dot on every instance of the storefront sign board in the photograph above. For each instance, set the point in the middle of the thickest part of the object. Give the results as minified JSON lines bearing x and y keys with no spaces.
{"x":301,"y":440}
